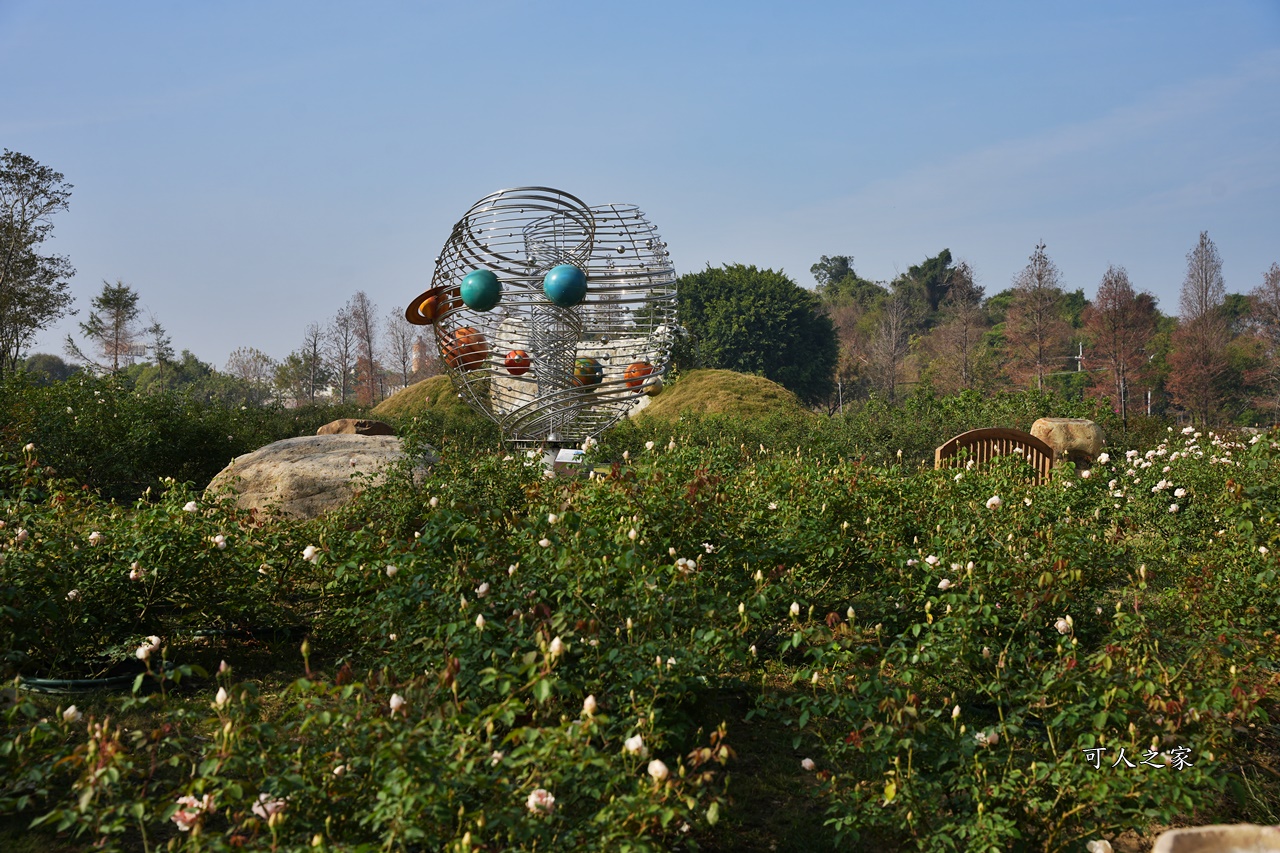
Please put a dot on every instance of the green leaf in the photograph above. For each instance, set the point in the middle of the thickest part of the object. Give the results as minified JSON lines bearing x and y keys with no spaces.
{"x":1100,"y":720}
{"x":713,"y":813}
{"x":541,"y":690}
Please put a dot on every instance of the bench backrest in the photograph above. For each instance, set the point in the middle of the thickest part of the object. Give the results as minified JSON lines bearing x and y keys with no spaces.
{"x":987,"y":443}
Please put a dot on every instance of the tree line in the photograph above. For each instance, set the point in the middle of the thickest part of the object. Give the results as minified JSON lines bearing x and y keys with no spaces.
{"x":934,"y":327}
{"x":355,"y":357}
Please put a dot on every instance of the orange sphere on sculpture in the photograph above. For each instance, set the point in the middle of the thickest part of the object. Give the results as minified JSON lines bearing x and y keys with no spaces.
{"x":431,"y":307}
{"x":517,"y":362}
{"x":636,"y":372}
{"x":468,"y":349}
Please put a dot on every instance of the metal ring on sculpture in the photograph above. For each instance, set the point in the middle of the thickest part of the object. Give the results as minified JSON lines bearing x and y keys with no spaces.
{"x":546,"y":361}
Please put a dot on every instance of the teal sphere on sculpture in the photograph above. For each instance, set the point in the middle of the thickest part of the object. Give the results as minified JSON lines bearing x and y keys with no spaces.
{"x":565,"y":285}
{"x":481,"y":290}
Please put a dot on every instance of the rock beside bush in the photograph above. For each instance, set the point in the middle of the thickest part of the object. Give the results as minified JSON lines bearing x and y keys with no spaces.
{"x":309,"y":476}
{"x":1077,"y":440}
{"x":356,"y":426}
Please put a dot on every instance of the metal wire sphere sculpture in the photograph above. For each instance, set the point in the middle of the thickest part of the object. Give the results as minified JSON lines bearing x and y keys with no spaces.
{"x":551,"y":316}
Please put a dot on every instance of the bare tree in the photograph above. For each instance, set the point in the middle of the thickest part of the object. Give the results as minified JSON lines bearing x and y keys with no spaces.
{"x":1119,"y":325}
{"x":364,"y":324}
{"x":1198,"y":358}
{"x":889,"y":347}
{"x":850,"y":319}
{"x":1037,"y":335}
{"x":426,"y":362}
{"x":955,"y":343}
{"x":161,"y":344}
{"x":400,"y":337}
{"x":1264,"y":311}
{"x":255,"y":368}
{"x":112,"y":328}
{"x":314,"y":364}
{"x":341,"y":343}
{"x":1203,"y":289}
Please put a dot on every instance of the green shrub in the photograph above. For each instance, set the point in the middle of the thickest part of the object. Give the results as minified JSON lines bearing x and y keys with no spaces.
{"x":119,"y":442}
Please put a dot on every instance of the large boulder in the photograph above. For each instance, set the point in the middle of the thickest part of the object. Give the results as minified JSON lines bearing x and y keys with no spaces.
{"x":308,"y":476}
{"x":1222,"y":838}
{"x":1077,"y":440}
{"x":356,"y":426}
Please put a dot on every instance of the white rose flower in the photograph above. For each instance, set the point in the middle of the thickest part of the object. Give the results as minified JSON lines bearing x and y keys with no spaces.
{"x":541,"y":801}
{"x":635,"y":745}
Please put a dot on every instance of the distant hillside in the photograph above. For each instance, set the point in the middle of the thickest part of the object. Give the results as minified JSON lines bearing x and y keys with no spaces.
{"x":722,"y":392}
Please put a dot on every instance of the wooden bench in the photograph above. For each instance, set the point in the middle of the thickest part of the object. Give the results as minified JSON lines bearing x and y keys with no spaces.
{"x":985,"y":444}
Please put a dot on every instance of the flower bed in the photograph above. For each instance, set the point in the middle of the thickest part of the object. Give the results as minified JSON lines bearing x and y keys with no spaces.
{"x":946,"y":659}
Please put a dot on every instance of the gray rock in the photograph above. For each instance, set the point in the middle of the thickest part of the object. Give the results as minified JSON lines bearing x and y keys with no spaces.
{"x":309,"y":476}
{"x":1223,"y":838}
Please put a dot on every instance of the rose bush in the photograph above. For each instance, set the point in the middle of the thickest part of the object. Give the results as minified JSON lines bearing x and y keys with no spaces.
{"x":501,"y":661}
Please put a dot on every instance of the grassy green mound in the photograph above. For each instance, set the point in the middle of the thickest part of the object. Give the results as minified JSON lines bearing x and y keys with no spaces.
{"x":723,"y":392}
{"x":434,"y":394}
{"x":430,"y":411}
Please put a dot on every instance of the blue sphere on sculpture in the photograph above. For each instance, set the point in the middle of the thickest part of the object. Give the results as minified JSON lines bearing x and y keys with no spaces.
{"x":565,"y":285}
{"x":481,"y":290}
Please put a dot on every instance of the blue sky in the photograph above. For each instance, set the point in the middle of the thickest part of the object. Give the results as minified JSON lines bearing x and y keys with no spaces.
{"x":247,"y":167}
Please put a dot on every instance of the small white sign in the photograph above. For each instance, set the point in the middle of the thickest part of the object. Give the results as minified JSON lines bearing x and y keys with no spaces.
{"x":569,"y":457}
